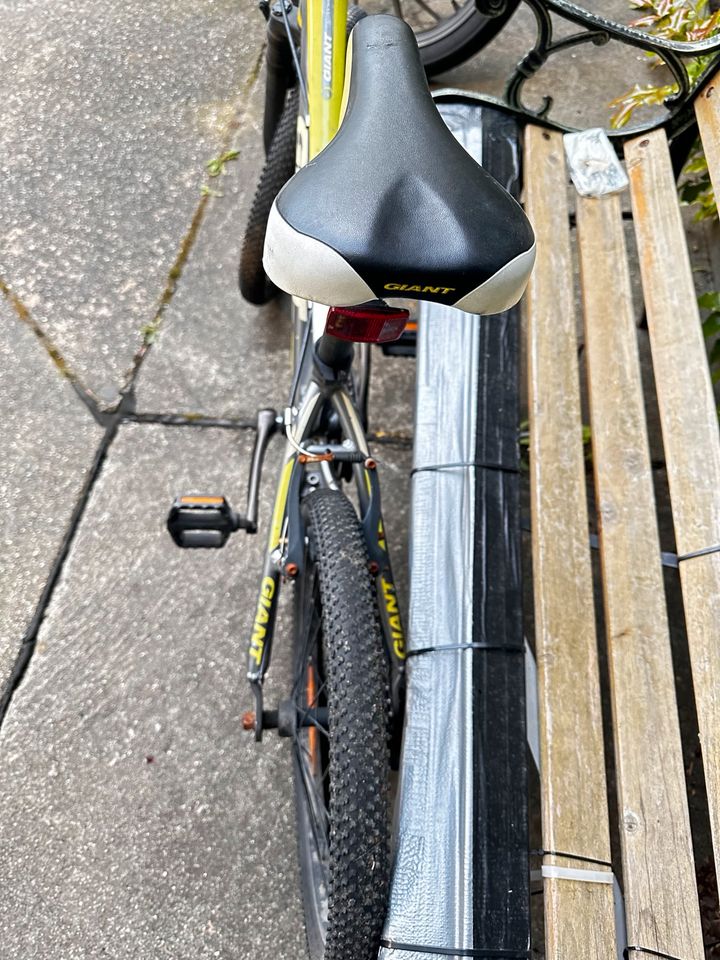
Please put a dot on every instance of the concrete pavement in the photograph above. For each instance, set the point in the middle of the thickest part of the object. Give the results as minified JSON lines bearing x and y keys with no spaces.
{"x":135,"y":818}
{"x":138,"y":820}
{"x":109,"y":116}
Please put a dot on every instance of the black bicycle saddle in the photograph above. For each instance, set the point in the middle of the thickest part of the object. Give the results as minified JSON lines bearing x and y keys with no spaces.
{"x":394,"y":206}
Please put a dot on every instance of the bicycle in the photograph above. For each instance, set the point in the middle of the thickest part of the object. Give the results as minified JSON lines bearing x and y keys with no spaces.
{"x":317,"y":538}
{"x":345,"y":711}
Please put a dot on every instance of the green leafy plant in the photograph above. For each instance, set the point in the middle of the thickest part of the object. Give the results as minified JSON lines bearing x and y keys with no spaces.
{"x":675,"y":20}
{"x":695,"y":188}
{"x":150,"y":331}
{"x":216,"y":166}
{"x":711,"y":329}
{"x":670,"y":20}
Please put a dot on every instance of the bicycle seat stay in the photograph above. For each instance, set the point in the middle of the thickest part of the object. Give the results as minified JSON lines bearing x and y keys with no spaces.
{"x":394,"y":206}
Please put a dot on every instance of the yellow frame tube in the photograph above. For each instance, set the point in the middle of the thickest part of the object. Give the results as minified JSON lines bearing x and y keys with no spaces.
{"x":324,"y":25}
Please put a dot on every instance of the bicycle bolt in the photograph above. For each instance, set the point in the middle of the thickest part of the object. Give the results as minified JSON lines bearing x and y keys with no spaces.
{"x":291,"y":569}
{"x":248,"y":720}
{"x":370,"y":464}
{"x":374,"y":567}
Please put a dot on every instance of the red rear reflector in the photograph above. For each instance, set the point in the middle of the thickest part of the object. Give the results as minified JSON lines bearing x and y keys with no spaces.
{"x":366,"y":324}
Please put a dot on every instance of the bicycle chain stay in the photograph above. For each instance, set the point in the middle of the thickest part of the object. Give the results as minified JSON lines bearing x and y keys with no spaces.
{"x":286,"y":556}
{"x":390,"y":617}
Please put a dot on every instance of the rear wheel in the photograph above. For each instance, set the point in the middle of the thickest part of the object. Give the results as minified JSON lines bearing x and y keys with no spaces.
{"x":341,"y":758}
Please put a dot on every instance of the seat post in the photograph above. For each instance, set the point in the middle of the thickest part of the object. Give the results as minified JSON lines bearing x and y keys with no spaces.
{"x":334,"y":353}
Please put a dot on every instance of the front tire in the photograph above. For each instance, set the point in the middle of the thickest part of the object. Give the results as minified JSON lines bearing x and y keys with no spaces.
{"x":342,"y":769}
{"x":255,"y":285}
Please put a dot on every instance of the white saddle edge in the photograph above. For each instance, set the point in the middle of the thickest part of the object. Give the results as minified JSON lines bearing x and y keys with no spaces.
{"x":307,"y":268}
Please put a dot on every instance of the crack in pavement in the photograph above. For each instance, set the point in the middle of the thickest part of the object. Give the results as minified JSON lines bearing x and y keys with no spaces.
{"x":29,"y":640}
{"x":153,"y":328}
{"x":84,"y":393}
{"x":393,"y":438}
{"x":102,"y":411}
{"x":390,"y":438}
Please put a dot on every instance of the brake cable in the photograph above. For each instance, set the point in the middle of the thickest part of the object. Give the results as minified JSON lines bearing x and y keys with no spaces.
{"x":293,"y":51}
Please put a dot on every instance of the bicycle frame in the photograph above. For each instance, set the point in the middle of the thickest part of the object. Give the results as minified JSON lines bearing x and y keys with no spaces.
{"x":322,"y":385}
{"x":323,"y":391}
{"x":326,"y":440}
{"x":324,"y":47}
{"x":486,"y":671}
{"x":306,"y":466}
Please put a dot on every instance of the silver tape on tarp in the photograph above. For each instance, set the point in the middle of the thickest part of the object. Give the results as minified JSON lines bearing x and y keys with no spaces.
{"x":431,"y":894}
{"x":435,"y":901}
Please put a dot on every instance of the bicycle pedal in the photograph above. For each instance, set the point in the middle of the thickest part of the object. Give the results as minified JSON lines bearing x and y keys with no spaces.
{"x":199,"y":521}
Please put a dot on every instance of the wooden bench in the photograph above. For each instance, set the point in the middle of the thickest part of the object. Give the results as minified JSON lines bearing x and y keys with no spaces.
{"x":657,"y":867}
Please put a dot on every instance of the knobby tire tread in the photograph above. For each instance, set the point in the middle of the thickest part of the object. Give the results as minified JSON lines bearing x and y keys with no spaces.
{"x":255,"y":285}
{"x":356,"y":673}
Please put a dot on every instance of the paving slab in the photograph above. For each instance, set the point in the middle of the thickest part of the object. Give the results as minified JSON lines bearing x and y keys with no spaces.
{"x":48,"y":441}
{"x":110,"y":113}
{"x":391,"y":399}
{"x":216,"y":354}
{"x":136,"y":818}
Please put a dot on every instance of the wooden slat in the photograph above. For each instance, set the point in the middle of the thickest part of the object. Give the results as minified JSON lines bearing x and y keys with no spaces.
{"x":707,"y":111}
{"x":687,"y":409}
{"x":661,"y":901}
{"x":579,"y":918}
